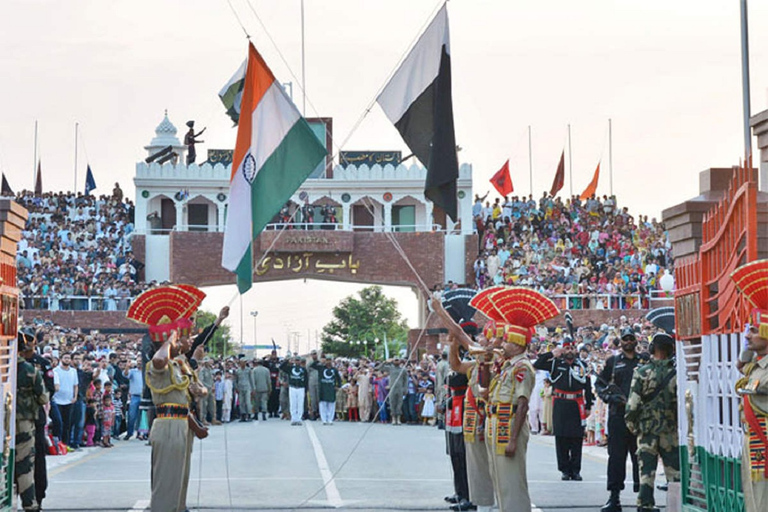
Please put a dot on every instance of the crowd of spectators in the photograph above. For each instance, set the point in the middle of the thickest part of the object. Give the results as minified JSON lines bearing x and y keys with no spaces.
{"x":593,"y":250}
{"x":75,"y":252}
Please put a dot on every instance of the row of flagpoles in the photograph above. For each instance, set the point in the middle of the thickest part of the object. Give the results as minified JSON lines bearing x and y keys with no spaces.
{"x":90,"y":181}
{"x":502,"y":180}
{"x":7,"y":191}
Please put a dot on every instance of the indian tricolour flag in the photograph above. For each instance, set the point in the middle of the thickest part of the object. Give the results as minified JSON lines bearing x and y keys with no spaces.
{"x":276,"y":151}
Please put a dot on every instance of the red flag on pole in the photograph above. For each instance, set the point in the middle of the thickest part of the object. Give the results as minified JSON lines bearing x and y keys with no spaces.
{"x":39,"y":181}
{"x":502,"y":180}
{"x":559,"y":176}
{"x":592,"y":187}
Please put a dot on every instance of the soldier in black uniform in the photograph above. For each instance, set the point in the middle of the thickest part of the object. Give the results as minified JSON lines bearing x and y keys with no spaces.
{"x":613,"y":388}
{"x":273,"y":364}
{"x":454,"y":437}
{"x":572,"y":400}
{"x":45,"y":368}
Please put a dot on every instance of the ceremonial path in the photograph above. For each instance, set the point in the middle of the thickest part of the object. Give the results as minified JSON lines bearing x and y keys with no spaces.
{"x":273,"y":466}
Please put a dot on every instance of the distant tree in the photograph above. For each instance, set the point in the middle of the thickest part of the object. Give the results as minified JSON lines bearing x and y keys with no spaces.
{"x":221,"y":344}
{"x":363,"y":318}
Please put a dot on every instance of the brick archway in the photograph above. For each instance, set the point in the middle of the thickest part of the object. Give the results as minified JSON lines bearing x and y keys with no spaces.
{"x":358,"y":257}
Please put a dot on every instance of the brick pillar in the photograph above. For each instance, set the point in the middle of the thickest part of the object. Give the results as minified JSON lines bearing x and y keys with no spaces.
{"x":759,"y":123}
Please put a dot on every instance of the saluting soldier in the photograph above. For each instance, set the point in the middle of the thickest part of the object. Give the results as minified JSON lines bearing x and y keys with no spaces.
{"x":244,"y":385}
{"x":753,"y":388}
{"x":651,"y":415}
{"x":30,"y":396}
{"x":513,"y":378}
{"x":206,"y":404}
{"x":457,"y":318}
{"x":572,"y":400}
{"x":262,"y":386}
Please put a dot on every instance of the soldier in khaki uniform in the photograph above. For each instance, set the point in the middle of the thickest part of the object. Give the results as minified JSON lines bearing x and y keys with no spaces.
{"x":30,"y":395}
{"x":479,"y":477}
{"x":174,"y":385}
{"x":753,"y":388}
{"x":207,"y":405}
{"x":651,"y":415}
{"x":511,"y":383}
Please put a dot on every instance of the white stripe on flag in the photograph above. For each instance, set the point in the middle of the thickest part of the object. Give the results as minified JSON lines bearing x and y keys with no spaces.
{"x":274,"y":116}
{"x":419,"y":69}
{"x":237,"y":234}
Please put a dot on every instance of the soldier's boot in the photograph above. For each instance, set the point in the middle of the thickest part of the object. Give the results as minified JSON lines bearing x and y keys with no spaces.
{"x":614,"y":502}
{"x":264,"y":416}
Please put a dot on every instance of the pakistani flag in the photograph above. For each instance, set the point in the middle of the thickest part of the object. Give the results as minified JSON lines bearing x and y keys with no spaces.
{"x":275,"y":152}
{"x":232,"y":93}
{"x":419,"y":103}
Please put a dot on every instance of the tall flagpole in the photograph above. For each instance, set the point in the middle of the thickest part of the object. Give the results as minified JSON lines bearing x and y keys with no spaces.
{"x":303,"y":68}
{"x":610,"y":157}
{"x":34,"y":163}
{"x":745,"y":81}
{"x":75,"y":189}
{"x":570,"y":161}
{"x":530,"y":161}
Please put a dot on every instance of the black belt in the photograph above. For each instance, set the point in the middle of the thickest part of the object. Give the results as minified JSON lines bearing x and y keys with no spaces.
{"x":494,"y":409}
{"x":171,"y":411}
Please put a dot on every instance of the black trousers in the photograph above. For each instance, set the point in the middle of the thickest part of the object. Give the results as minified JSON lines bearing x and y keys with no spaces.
{"x":274,"y":401}
{"x":620,"y":443}
{"x":459,"y":463}
{"x":568,"y":454}
{"x":41,"y":449}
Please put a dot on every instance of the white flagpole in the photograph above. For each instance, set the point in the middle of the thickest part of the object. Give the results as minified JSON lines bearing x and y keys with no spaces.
{"x":530,"y":160}
{"x":75,"y":189}
{"x":34,"y":163}
{"x":610,"y":156}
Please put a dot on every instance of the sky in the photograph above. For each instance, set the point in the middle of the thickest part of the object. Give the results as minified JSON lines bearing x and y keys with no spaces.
{"x":668,"y":75}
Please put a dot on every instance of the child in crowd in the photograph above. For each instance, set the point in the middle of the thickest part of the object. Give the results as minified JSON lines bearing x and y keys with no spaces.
{"x":546,"y":407}
{"x":90,"y":421}
{"x":352,"y":407}
{"x":107,"y":420}
{"x":97,"y":395}
{"x":226,"y":404}
{"x":341,"y":403}
{"x":118,"y":403}
{"x":428,"y":407}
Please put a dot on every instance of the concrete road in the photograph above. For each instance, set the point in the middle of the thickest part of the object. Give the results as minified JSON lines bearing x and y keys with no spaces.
{"x":274,"y":466}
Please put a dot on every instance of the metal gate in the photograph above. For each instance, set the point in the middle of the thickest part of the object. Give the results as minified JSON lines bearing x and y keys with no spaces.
{"x":710,"y":316}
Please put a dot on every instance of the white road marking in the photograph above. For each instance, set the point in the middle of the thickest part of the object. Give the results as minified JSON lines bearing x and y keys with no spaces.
{"x":534,"y":508}
{"x":139,"y":506}
{"x":331,"y":492}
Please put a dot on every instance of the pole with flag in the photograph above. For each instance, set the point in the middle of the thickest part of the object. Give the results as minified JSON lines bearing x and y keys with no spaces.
{"x":6,"y":190}
{"x":90,"y":183}
{"x":559,"y":181}
{"x":39,"y":180}
{"x":592,"y":187}
{"x":418,"y":101}
{"x":502,"y":181}
{"x":275,"y":152}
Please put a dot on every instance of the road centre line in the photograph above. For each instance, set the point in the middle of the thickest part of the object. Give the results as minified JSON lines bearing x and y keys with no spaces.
{"x":331,"y":491}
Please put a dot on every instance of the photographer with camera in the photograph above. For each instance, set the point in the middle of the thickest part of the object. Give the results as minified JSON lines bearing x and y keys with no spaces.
{"x":612,"y":387}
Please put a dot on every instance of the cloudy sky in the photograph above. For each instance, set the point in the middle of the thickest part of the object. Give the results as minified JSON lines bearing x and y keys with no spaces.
{"x":666,"y":73}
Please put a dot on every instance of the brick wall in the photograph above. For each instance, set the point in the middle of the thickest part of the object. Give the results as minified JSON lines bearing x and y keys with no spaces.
{"x":196,"y":259}
{"x":85,"y":320}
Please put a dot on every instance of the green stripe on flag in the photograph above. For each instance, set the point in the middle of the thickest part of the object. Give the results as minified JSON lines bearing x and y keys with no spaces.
{"x":278,"y":179}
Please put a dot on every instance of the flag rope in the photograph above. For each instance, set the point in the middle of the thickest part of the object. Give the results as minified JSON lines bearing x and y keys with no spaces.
{"x":368,"y":428}
{"x":370,"y":105}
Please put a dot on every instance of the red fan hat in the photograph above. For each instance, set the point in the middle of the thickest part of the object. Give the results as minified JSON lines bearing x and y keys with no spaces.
{"x":752,"y":280}
{"x":522,"y":309}
{"x":166,"y":308}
